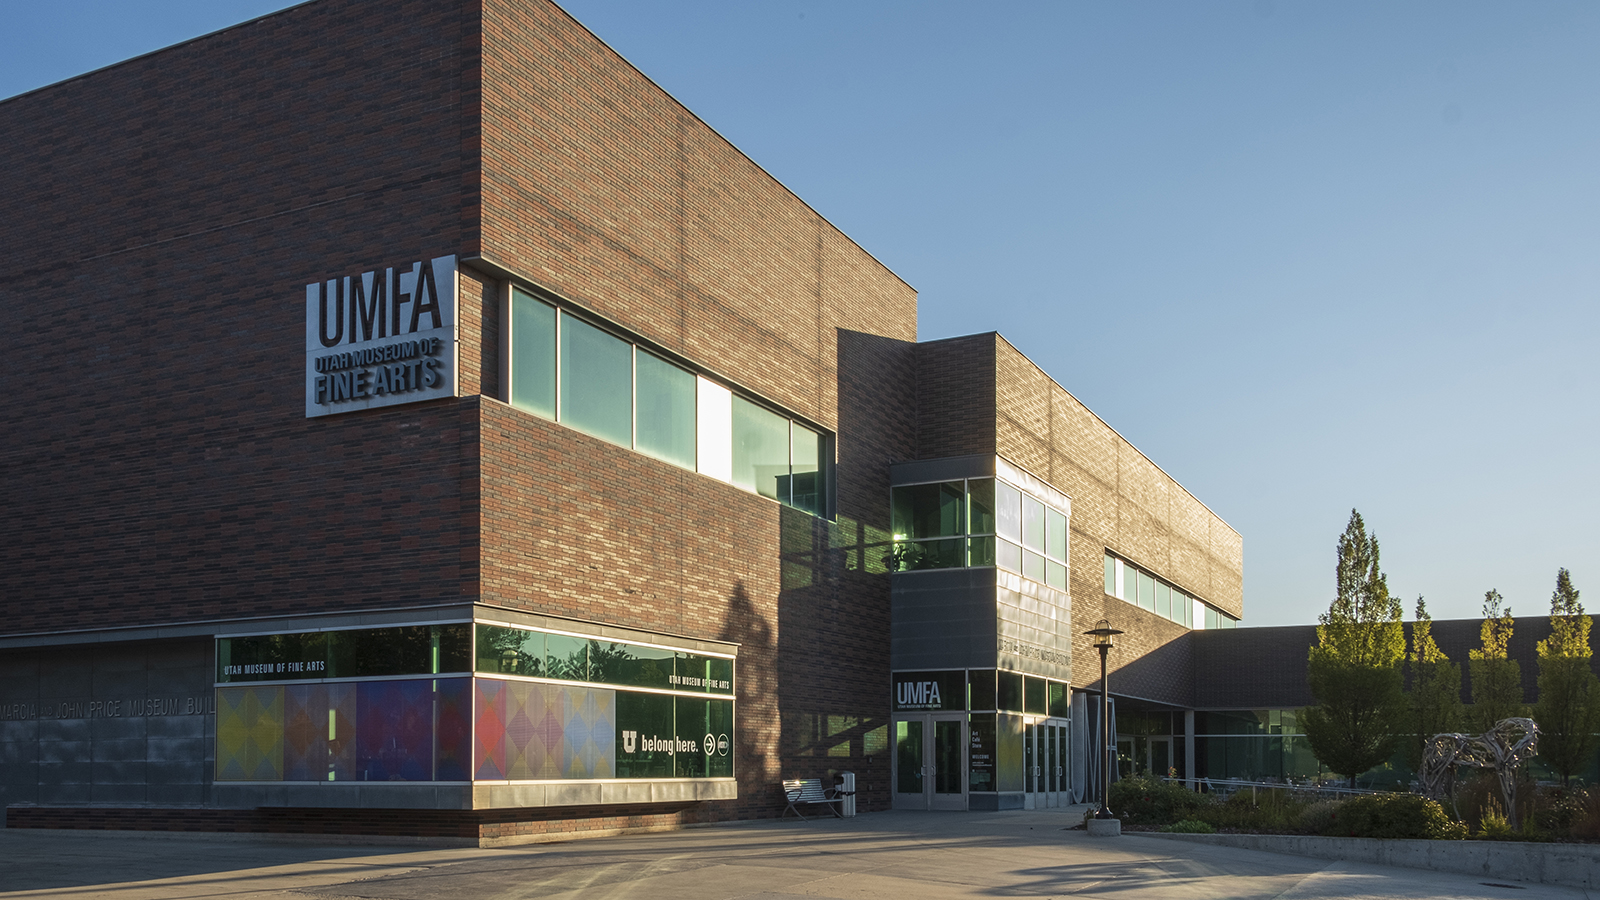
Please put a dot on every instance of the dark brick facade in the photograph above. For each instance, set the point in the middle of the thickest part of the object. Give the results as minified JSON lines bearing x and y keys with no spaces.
{"x":162,"y":220}
{"x":978,"y":395}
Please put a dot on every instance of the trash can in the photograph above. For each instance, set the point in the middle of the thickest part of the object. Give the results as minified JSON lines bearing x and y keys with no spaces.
{"x":846,"y":787}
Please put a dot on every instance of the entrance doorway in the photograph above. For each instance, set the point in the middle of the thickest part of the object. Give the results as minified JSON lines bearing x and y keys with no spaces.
{"x":1144,"y":755}
{"x":930,"y":761}
{"x":1045,"y":765}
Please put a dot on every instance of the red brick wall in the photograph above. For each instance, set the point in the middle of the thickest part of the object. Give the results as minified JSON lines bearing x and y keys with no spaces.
{"x":159,"y":249}
{"x":161,"y":220}
{"x":956,"y":396}
{"x":602,"y":188}
{"x":1122,"y":501}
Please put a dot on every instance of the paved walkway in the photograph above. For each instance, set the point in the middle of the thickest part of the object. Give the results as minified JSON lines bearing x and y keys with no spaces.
{"x":929,"y":856}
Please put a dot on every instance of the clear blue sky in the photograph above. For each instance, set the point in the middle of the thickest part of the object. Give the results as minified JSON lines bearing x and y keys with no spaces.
{"x":1306,"y":256}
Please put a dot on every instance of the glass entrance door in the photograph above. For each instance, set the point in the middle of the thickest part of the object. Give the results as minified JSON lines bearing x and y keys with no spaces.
{"x":1160,"y":757}
{"x":1044,"y":764}
{"x":930,"y":761}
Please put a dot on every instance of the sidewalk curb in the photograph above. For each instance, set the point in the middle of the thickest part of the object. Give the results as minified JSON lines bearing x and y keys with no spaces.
{"x":1569,"y":865}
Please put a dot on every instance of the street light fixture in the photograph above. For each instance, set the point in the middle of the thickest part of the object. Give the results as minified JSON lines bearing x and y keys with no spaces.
{"x":1103,"y":633}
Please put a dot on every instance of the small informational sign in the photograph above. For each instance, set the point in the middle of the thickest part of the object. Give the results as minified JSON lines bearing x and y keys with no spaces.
{"x":980,"y":753}
{"x":382,"y":338}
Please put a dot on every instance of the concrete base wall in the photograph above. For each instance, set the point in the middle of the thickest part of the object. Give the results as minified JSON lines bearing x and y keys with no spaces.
{"x":1573,"y":865}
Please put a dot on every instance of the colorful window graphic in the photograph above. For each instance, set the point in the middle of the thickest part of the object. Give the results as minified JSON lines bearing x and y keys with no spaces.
{"x":404,"y":730}
{"x":531,"y":731}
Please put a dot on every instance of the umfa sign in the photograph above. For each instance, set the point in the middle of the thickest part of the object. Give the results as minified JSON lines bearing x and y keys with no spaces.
{"x":382,"y":338}
{"x":919,"y":695}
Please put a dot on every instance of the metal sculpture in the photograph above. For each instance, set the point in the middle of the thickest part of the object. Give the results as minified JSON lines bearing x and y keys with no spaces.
{"x":1502,"y":748}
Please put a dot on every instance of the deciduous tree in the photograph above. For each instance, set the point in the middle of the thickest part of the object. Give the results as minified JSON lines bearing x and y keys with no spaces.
{"x":1496,"y":677}
{"x":1435,"y":698}
{"x":1568,"y":710}
{"x":1354,"y":670}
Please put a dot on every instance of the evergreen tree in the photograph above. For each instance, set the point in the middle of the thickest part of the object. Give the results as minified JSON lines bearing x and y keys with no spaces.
{"x":1354,"y":670}
{"x":1568,"y":711}
{"x":1435,"y":700}
{"x":1496,"y":677}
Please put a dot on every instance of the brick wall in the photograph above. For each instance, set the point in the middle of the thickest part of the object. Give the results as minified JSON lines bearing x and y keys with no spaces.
{"x":161,"y":221}
{"x":601,"y":187}
{"x":161,"y":230}
{"x":977,"y":394}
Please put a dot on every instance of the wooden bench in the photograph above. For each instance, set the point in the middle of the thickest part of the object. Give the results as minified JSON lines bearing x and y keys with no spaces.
{"x":810,"y":791}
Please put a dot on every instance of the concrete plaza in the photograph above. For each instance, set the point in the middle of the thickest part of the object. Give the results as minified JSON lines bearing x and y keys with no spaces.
{"x":930,"y":856}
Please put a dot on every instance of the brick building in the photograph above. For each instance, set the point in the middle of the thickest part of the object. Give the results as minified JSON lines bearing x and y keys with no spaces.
{"x":421,"y":409}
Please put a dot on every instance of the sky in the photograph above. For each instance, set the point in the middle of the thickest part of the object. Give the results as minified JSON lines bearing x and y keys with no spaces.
{"x":1307,"y":257}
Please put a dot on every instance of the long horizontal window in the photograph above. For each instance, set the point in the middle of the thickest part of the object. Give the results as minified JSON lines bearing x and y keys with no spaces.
{"x":358,"y":653}
{"x":569,"y":370}
{"x":978,"y":522}
{"x":503,"y":650}
{"x":1126,"y":581}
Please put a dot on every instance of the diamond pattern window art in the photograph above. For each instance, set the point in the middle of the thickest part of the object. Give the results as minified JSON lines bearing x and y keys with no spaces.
{"x":489,"y":729}
{"x":529,"y":731}
{"x":319,"y":731}
{"x":250,"y":734}
{"x":394,"y":730}
{"x":588,"y":733}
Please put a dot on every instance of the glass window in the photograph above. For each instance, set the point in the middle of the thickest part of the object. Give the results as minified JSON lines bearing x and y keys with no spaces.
{"x":1008,"y":691}
{"x":651,"y":719}
{"x":629,"y":664}
{"x":1211,"y":618}
{"x":596,"y":382}
{"x":1008,"y":511}
{"x":1056,"y":535}
{"x":760,"y":449}
{"x":1060,"y":701}
{"x":408,"y":650}
{"x":1035,"y":702}
{"x":1163,"y":600}
{"x":1180,"y":607}
{"x":533,"y":355}
{"x":664,"y":419}
{"x":510,"y":651}
{"x":981,"y":755}
{"x":1055,"y":575}
{"x":566,"y":657}
{"x":1032,"y":524}
{"x":1147,"y":591}
{"x":1130,"y":584}
{"x":949,"y":553}
{"x":714,"y":430}
{"x":1111,"y":576}
{"x":980,"y":493}
{"x":980,"y":689}
{"x":1008,"y":556}
{"x":928,"y":510}
{"x":980,"y":551}
{"x":805,"y":462}
{"x":1032,"y":566}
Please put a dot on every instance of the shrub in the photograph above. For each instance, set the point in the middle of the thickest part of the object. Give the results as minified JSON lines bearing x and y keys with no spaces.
{"x":1573,"y":813}
{"x":1394,"y":816}
{"x":1586,"y":826}
{"x":1270,"y":810}
{"x":1319,"y":817}
{"x":1190,"y":826}
{"x":1148,"y":801}
{"x":1494,"y":825}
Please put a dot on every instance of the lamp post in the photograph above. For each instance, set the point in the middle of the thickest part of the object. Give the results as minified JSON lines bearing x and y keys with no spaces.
{"x":1103,"y":632}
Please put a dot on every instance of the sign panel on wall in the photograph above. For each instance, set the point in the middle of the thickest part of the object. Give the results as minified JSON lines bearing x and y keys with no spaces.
{"x":382,"y":338}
